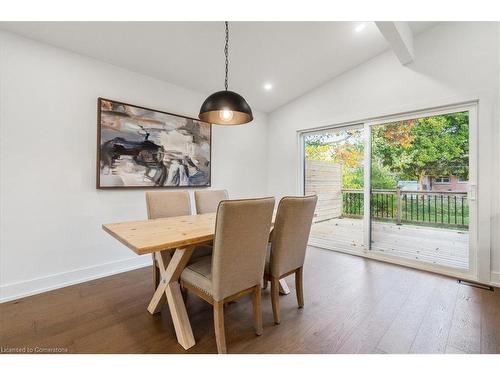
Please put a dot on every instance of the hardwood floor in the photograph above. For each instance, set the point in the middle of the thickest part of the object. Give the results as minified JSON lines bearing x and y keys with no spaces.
{"x":352,"y":305}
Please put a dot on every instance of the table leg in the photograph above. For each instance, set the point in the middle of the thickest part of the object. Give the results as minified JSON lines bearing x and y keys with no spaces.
{"x":169,"y":287}
{"x":161,"y":259}
{"x":179,"y":316}
{"x":284,"y":287}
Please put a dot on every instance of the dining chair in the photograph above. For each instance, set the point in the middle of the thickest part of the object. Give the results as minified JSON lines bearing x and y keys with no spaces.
{"x":161,"y":204}
{"x":288,"y":243}
{"x":207,"y":201}
{"x":236,"y":267}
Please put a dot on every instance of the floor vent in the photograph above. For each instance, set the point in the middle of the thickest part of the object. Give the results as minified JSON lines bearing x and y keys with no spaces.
{"x":476,"y":285}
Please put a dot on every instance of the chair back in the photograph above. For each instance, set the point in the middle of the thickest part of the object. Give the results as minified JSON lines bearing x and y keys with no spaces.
{"x":207,"y":201}
{"x":168,"y":203}
{"x":291,"y":233}
{"x":240,"y":244}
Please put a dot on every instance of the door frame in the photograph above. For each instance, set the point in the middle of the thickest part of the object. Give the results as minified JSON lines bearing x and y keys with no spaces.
{"x":474,"y":256}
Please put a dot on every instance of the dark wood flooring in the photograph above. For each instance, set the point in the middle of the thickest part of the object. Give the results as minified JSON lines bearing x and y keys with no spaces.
{"x":352,"y":305}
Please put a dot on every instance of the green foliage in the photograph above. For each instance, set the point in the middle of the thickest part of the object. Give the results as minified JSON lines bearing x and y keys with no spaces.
{"x":343,"y":147}
{"x":382,"y":178}
{"x":407,"y":150}
{"x":435,"y":146}
{"x":352,"y":178}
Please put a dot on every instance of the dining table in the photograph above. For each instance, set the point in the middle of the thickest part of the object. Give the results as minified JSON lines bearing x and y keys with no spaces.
{"x":172,"y":241}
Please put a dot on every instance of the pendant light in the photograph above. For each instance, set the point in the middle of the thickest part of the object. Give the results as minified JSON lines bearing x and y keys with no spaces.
{"x":226,"y":107}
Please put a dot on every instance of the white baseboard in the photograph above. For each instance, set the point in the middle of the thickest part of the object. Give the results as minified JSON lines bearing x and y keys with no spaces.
{"x":495,"y":278}
{"x":26,"y":288}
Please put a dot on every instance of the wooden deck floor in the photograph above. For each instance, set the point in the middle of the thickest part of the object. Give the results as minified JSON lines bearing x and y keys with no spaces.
{"x":445,"y":247}
{"x":352,"y":305}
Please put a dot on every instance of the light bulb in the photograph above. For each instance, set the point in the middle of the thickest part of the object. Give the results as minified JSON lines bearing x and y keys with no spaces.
{"x":226,"y":115}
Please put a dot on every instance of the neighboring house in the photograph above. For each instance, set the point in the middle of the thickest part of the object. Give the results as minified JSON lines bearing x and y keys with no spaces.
{"x":439,"y":183}
{"x":444,"y":183}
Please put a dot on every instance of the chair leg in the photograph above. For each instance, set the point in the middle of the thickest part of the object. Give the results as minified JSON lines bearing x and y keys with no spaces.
{"x":264,"y":282}
{"x":257,"y":310}
{"x":275,"y":289}
{"x":220,"y":335}
{"x":299,"y":286}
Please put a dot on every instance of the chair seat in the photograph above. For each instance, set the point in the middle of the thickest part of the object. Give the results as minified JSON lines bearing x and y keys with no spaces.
{"x":199,"y":274}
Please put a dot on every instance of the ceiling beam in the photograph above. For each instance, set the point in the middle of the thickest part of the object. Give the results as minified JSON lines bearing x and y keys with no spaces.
{"x":400,"y":38}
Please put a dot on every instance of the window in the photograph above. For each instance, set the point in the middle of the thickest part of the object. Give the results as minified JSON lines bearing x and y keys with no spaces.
{"x":442,"y":180}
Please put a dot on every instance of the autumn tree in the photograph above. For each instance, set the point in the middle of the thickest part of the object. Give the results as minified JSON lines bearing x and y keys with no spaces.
{"x":435,"y":146}
{"x":407,"y":150}
{"x":344,"y":147}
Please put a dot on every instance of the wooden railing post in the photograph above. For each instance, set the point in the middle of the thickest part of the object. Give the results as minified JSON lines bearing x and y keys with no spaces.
{"x":398,"y":205}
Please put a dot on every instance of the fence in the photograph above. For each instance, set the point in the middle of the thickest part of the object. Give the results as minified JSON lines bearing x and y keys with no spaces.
{"x":448,"y":209}
{"x":325,"y":180}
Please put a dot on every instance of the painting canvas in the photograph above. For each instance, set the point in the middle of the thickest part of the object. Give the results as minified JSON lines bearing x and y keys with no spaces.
{"x":141,"y":147}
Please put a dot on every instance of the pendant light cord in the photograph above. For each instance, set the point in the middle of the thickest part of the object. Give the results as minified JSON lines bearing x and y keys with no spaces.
{"x":226,"y":53}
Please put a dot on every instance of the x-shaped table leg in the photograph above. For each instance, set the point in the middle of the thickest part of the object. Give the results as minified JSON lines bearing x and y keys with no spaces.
{"x":170,"y":271}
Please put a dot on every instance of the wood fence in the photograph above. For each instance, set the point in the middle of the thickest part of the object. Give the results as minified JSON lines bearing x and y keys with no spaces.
{"x":325,"y":180}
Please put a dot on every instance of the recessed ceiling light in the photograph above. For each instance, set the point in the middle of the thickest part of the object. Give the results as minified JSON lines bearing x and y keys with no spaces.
{"x":360,"y":27}
{"x":268,"y":86}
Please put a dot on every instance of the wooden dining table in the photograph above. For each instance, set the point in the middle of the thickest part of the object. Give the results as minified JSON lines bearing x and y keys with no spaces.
{"x":181,"y":234}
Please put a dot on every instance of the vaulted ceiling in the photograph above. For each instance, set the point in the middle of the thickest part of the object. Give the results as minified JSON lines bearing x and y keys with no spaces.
{"x":294,"y":57}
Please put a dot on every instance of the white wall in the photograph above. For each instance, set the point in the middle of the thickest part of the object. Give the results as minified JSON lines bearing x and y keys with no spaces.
{"x":51,"y":213}
{"x":454,"y":62}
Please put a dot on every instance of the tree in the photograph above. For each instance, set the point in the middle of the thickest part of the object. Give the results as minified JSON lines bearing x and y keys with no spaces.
{"x":406,"y":150}
{"x":343,"y":147}
{"x":435,"y":146}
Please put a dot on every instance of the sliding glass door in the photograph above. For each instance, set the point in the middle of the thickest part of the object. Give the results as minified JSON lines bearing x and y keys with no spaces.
{"x":401,"y":188}
{"x":420,"y":179}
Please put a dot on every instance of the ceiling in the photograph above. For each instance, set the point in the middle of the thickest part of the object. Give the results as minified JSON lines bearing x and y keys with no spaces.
{"x":294,"y":57}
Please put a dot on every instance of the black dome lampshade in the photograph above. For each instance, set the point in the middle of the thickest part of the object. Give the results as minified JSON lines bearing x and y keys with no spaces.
{"x":226,"y":107}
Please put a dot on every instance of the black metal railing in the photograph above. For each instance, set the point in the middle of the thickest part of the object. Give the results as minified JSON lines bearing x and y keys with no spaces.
{"x":449,"y":209}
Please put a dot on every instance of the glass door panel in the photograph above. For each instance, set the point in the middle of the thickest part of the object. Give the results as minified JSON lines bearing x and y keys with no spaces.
{"x":419,"y":206}
{"x":334,"y":170}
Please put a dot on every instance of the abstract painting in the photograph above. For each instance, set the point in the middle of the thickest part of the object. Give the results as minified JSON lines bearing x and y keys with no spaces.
{"x":142,"y":147}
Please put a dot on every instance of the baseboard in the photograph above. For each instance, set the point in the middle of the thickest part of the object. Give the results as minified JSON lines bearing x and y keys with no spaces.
{"x":26,"y":288}
{"x":495,"y":278}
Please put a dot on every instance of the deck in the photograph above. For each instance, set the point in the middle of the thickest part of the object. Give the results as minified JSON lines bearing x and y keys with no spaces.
{"x":445,"y":247}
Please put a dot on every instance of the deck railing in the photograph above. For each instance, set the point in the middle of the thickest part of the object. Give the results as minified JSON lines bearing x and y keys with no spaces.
{"x":448,"y":209}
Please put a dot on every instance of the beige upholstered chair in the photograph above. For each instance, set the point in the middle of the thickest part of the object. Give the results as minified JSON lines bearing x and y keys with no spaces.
{"x":288,"y":246}
{"x":236,"y":266}
{"x":167,"y":204}
{"x":162,"y":204}
{"x":208,"y":200}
